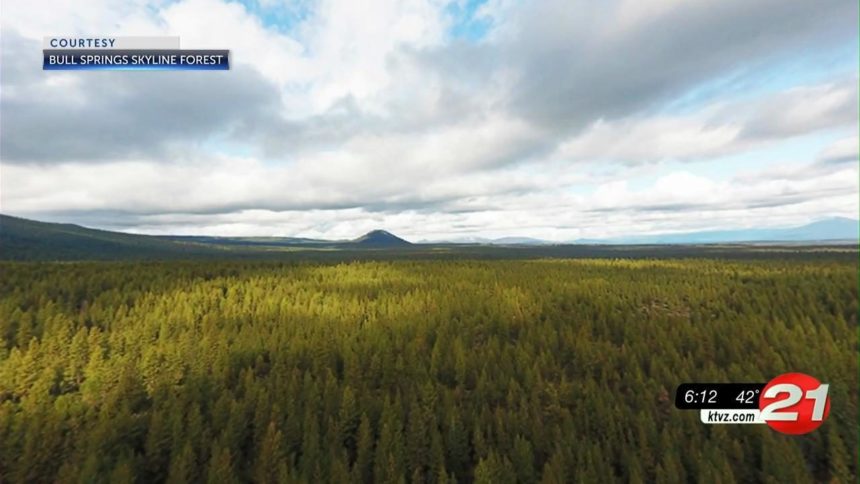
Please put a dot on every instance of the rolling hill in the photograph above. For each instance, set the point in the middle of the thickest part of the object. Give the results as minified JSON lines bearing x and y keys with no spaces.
{"x":22,"y":239}
{"x":249,"y":242}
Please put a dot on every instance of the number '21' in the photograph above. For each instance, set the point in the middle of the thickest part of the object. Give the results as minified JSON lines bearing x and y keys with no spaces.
{"x":795,"y":394}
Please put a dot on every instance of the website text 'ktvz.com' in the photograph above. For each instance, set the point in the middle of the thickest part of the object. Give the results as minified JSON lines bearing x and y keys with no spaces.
{"x":731,"y":416}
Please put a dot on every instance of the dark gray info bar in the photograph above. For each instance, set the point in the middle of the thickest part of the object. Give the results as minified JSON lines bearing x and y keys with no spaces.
{"x":724,"y":396}
{"x":156,"y":59}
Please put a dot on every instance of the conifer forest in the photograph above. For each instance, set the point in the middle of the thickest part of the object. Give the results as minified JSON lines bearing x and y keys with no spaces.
{"x":417,"y":371}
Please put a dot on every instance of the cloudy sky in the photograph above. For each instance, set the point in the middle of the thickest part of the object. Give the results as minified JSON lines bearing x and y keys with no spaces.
{"x":557,"y":119}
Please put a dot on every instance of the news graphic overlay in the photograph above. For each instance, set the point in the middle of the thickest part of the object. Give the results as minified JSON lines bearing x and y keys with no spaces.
{"x":128,"y":53}
{"x":795,"y":403}
{"x":792,"y":403}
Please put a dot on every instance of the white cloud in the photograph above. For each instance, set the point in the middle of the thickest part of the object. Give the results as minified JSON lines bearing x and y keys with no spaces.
{"x":843,"y":150}
{"x":364,"y":114}
{"x":651,"y":139}
{"x":239,"y":196}
{"x":718,"y":129}
{"x":213,"y":24}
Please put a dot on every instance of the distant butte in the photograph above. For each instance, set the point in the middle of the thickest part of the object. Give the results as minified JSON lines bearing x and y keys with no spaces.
{"x":381,"y":238}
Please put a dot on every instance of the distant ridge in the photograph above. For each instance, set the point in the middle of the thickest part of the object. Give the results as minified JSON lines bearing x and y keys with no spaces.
{"x":381,"y":238}
{"x":830,"y":229}
{"x":834,"y":229}
{"x":22,"y":239}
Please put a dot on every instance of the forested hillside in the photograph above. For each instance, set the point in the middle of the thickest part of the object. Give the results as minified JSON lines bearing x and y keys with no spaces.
{"x":409,"y":371}
{"x":22,"y":239}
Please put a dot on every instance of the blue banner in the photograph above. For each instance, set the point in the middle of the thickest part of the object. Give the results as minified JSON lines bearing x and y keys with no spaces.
{"x":143,"y":60}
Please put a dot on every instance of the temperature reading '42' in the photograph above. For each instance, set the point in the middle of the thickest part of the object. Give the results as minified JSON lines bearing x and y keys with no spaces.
{"x":747,"y":396}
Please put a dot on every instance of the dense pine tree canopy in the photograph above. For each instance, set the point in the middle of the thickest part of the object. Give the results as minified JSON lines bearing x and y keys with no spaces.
{"x":417,"y":371}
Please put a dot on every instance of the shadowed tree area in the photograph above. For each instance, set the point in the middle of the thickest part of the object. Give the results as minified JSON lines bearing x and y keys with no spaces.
{"x":416,"y":371}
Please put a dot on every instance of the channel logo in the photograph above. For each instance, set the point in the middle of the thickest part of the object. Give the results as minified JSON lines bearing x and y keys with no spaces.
{"x":791,"y":403}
